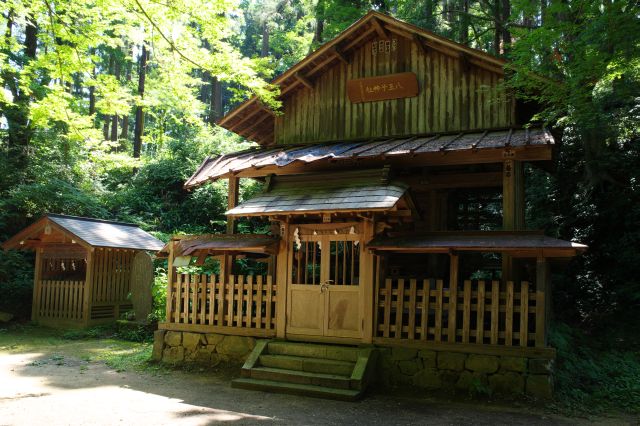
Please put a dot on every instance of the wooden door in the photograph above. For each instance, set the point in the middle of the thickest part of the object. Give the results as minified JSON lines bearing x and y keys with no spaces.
{"x":324,"y":286}
{"x":305,"y":301}
{"x":342,"y":290}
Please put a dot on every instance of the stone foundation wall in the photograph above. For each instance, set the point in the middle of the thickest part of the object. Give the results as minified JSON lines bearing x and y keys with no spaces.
{"x":466,"y":373}
{"x":210,"y":349}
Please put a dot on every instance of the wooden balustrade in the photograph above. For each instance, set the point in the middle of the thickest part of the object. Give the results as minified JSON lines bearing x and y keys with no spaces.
{"x":477,"y":312}
{"x":243,"y":303}
{"x":59,"y":299}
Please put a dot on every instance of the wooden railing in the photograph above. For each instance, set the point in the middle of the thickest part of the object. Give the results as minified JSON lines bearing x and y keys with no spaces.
{"x":59,"y":299}
{"x":478,"y":312}
{"x":243,"y":303}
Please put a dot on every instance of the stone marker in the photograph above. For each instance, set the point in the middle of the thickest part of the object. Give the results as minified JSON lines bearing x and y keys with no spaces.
{"x":141,"y":282}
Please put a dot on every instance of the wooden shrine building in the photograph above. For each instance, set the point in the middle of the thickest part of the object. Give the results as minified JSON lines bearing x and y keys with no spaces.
{"x":86,"y":269}
{"x":394,"y":185}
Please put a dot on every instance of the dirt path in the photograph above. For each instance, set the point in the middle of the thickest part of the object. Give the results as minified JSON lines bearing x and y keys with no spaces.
{"x":49,"y":386}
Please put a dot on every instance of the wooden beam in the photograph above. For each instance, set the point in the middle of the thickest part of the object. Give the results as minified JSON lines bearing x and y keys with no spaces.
{"x":512,"y":208}
{"x":232,"y":201}
{"x":453,"y":296}
{"x":368,"y":282}
{"x":340,"y":55}
{"x":281,"y":278}
{"x":169,"y":310}
{"x":543,"y":301}
{"x":88,"y":287}
{"x":37,"y":286}
{"x":378,"y":28}
{"x":359,"y":39}
{"x":418,"y":41}
{"x":304,"y":80}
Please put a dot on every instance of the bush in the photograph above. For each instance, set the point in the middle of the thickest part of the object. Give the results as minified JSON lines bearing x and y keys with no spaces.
{"x":594,"y":378}
{"x":16,"y":283}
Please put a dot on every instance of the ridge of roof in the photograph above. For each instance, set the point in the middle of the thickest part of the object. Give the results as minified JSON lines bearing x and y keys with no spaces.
{"x":90,"y":219}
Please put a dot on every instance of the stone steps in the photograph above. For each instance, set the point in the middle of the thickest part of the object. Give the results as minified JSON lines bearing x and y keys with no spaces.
{"x":311,"y":365}
{"x":327,"y":371}
{"x":301,"y":377}
{"x":297,"y":389}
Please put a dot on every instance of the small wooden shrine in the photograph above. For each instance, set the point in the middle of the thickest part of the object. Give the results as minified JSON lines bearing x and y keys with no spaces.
{"x":87,"y":271}
{"x":394,"y":182}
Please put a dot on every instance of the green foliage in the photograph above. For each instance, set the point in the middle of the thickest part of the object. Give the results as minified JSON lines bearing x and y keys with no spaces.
{"x":594,"y":378}
{"x":16,"y":283}
{"x":159,"y":293}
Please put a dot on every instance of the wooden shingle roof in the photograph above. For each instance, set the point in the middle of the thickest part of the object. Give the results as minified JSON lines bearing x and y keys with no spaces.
{"x":89,"y":232}
{"x":487,"y":241}
{"x":277,"y":160}
{"x":192,"y":245}
{"x":323,"y":193}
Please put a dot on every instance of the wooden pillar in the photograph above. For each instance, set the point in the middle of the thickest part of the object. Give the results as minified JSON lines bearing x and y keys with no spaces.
{"x":367,"y":281}
{"x":169,"y":309}
{"x":512,"y":207}
{"x":88,"y":287}
{"x":543,"y":301}
{"x":281,"y":280}
{"x":232,"y":201}
{"x":453,"y":296}
{"x":37,"y":285}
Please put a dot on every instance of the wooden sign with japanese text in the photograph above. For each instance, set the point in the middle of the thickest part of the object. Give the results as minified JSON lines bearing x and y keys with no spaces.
{"x":391,"y":86}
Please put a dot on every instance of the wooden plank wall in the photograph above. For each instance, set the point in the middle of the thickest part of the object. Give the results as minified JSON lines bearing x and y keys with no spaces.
{"x":480,"y":312}
{"x":243,"y":303}
{"x":111,"y":276}
{"x":454,"y":96}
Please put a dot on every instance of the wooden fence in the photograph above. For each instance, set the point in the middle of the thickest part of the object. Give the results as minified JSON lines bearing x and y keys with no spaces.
{"x":59,"y":299}
{"x":480,"y":312}
{"x":244,"y":302}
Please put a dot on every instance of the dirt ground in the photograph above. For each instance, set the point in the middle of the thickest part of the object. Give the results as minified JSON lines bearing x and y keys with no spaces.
{"x":49,"y":381}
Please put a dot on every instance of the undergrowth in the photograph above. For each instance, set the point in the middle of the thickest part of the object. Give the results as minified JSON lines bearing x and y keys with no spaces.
{"x":594,"y":378}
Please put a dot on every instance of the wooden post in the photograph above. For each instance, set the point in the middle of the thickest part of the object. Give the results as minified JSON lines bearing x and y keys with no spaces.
{"x":170,"y":283}
{"x":282,"y":279}
{"x":232,"y":201}
{"x":367,"y":281}
{"x":37,"y":285}
{"x":543,"y":301}
{"x":512,"y":208}
{"x":453,"y":296}
{"x":88,"y":287}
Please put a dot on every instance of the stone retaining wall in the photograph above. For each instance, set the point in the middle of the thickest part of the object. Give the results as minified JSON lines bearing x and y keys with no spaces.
{"x":208,"y":349}
{"x":466,"y":373}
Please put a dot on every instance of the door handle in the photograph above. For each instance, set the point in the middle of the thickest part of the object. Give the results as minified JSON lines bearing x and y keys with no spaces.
{"x":325,"y":286}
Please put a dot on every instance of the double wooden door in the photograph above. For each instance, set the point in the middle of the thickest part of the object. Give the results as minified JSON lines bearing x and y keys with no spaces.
{"x":324,"y":289}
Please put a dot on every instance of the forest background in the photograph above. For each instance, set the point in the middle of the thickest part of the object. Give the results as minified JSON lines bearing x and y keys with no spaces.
{"x":108,"y":106}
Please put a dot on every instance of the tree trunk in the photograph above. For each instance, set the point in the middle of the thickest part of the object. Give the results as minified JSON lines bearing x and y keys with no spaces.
{"x":506,"y":32}
{"x":114,"y":119}
{"x":429,"y":14}
{"x":318,"y":33}
{"x":215,"y":101}
{"x":265,"y":40}
{"x":139,"y":127}
{"x":125,"y":119}
{"x":464,"y":22}
{"x":17,"y":114}
{"x":497,"y":35}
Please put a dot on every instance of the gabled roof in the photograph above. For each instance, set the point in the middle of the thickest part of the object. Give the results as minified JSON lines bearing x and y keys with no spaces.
{"x":86,"y":231}
{"x":356,"y":191}
{"x":255,"y":122}
{"x":283,"y":159}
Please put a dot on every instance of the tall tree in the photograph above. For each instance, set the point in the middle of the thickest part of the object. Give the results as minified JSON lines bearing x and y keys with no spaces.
{"x":139,"y":126}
